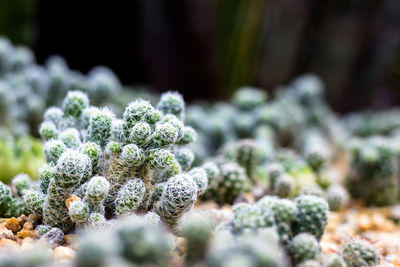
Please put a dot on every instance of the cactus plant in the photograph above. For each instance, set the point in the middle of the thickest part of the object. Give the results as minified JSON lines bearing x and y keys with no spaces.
{"x":304,"y":247}
{"x":311,"y":216}
{"x":359,"y":253}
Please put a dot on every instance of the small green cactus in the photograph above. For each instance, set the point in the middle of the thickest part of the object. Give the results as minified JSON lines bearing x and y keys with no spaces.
{"x":248,"y":217}
{"x":334,"y":260}
{"x":99,"y":130}
{"x":46,"y":174}
{"x":21,"y":182}
{"x":197,"y":229}
{"x":185,"y":157}
{"x":373,"y":175}
{"x":172,"y":103}
{"x":311,"y":217}
{"x":130,"y":197}
{"x":304,"y":247}
{"x":78,"y":212}
{"x":285,"y":186}
{"x":360,"y":253}
{"x":337,"y":197}
{"x":143,"y":243}
{"x":178,"y":196}
{"x":74,"y":103}
{"x":53,"y":150}
{"x":199,"y":176}
{"x":231,"y":183}
{"x":48,"y":131}
{"x":34,"y":201}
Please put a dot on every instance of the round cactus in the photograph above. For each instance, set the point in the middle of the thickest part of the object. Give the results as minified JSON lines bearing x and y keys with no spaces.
{"x":53,"y":237}
{"x":53,"y":115}
{"x":337,"y":197}
{"x":74,"y":103}
{"x":304,"y":247}
{"x":21,"y":182}
{"x":140,"y":134}
{"x":334,"y":260}
{"x":172,"y":103}
{"x":199,"y":176}
{"x":87,"y":115}
{"x":165,"y":135}
{"x":311,"y":217}
{"x":48,"y":130}
{"x":130,"y":197}
{"x":189,"y":136}
{"x":197,"y":229}
{"x":159,"y":158}
{"x":212,"y":171}
{"x":132,"y":155}
{"x":247,"y":98}
{"x":79,"y":212}
{"x":285,"y":186}
{"x":144,"y":244}
{"x":99,"y":130}
{"x":359,"y":253}
{"x":178,"y":196}
{"x":94,"y":152}
{"x":96,"y":191}
{"x":274,"y":171}
{"x":41,"y":230}
{"x":5,"y":198}
{"x":53,"y":149}
{"x":46,"y":173}
{"x":140,"y":110}
{"x":114,"y":147}
{"x":185,"y":157}
{"x":70,"y":137}
{"x":232,"y":182}
{"x":34,"y":201}
{"x":97,"y":221}
{"x":285,"y":213}
{"x":71,"y":168}
{"x":248,"y":216}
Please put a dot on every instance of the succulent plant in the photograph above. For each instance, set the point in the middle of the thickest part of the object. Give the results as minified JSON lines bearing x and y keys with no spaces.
{"x":311,"y":216}
{"x":359,"y":253}
{"x":197,"y":229}
{"x":304,"y":247}
{"x":373,"y":175}
{"x":337,"y":197}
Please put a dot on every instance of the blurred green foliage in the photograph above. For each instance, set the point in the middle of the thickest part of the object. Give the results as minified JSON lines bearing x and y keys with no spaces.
{"x":21,"y":155}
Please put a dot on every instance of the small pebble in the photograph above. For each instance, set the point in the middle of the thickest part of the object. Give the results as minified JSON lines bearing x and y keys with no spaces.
{"x":28,"y":226}
{"x":27,"y":233}
{"x":72,"y":198}
{"x":9,"y":244}
{"x":22,"y":219}
{"x":71,"y":240}
{"x":5,"y":233}
{"x":62,"y":253}
{"x":12,"y":224}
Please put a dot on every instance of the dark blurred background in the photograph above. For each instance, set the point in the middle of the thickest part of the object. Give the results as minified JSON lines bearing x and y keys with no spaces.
{"x":207,"y":48}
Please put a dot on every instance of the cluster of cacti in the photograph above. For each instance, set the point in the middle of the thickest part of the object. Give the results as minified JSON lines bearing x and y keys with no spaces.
{"x":100,"y":167}
{"x":359,"y":253}
{"x":373,"y":175}
{"x":26,"y":88}
{"x":136,"y":241}
{"x":142,"y":163}
{"x":299,"y":224}
{"x":370,"y":123}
